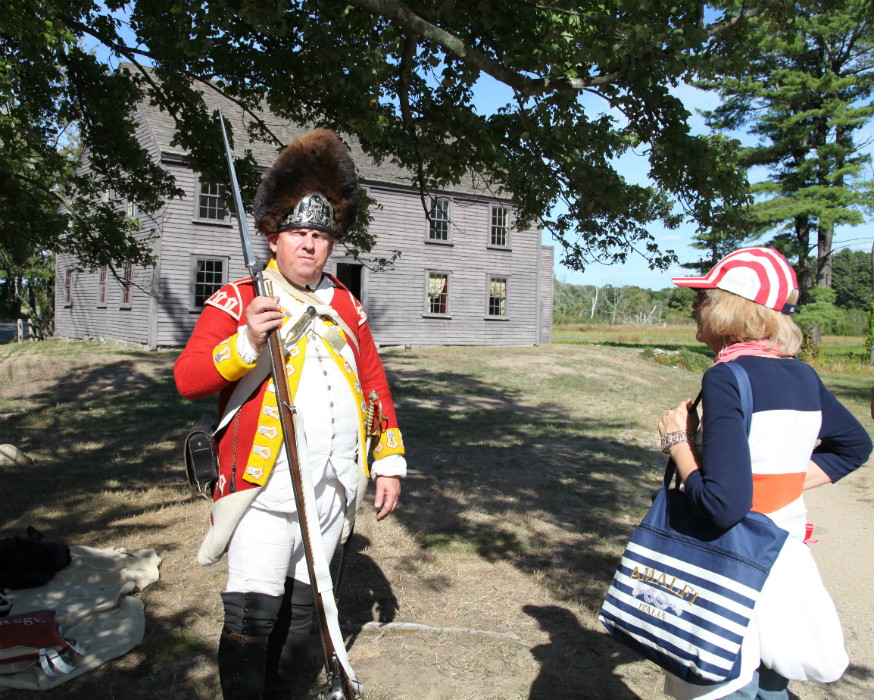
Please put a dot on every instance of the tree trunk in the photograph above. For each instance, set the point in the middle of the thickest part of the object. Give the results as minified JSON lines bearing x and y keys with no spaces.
{"x":824,"y":255}
{"x":802,"y":236}
{"x":871,"y":356}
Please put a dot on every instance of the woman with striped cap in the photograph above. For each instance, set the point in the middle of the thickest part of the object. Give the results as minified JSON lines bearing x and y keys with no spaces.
{"x":800,"y":436}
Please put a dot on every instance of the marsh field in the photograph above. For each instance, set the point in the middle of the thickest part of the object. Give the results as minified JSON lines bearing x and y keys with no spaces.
{"x":529,"y":468}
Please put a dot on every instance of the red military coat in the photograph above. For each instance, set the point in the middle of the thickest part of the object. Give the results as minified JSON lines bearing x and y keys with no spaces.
{"x":209,"y":365}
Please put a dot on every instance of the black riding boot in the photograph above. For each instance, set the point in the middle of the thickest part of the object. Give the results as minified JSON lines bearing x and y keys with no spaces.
{"x":288,"y":648}
{"x":242,"y":653}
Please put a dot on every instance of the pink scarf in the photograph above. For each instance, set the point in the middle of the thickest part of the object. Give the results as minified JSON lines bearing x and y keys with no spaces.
{"x":759,"y":347}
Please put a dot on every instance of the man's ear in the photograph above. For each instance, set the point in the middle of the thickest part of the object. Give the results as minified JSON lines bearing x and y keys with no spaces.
{"x":272,"y":238}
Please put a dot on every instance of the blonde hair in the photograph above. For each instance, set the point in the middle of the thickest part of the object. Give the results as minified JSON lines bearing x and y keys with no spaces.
{"x":739,"y":319}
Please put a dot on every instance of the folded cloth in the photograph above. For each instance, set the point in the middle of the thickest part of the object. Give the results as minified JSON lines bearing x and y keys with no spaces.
{"x":93,"y":606}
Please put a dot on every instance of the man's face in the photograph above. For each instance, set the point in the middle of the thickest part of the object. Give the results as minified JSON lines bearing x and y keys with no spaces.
{"x":301,"y":253}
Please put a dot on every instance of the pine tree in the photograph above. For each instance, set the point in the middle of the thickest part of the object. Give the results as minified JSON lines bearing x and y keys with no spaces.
{"x":804,"y":89}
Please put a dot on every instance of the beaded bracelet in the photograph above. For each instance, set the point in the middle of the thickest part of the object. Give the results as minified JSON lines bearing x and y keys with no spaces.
{"x":675,"y":438}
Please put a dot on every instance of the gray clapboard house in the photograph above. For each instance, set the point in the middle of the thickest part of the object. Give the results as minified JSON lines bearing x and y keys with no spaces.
{"x":464,"y":278}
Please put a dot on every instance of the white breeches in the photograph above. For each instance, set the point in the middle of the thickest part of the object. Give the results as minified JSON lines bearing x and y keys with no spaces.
{"x":266,"y":546}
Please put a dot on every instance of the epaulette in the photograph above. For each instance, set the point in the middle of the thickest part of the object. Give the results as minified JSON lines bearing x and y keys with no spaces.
{"x":229,"y":299}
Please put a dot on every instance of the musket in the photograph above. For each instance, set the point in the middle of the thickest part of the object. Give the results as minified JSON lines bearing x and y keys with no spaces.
{"x":338,"y":686}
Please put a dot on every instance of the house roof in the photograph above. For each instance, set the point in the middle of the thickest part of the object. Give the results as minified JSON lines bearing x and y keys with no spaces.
{"x":162,"y":127}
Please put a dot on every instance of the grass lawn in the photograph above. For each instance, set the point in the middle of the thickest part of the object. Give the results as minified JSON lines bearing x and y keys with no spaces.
{"x":529,"y":468}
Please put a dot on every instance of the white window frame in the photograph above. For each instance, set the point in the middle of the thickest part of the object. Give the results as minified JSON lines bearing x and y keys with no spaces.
{"x":505,"y":227}
{"x":490,"y":278}
{"x":126,"y":285}
{"x":439,"y":224}
{"x":68,"y":288}
{"x":102,"y":274}
{"x":447,"y":287}
{"x":223,"y":279}
{"x":219,"y":194}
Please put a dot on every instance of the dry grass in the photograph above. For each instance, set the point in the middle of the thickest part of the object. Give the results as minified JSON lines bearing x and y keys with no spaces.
{"x":529,"y":468}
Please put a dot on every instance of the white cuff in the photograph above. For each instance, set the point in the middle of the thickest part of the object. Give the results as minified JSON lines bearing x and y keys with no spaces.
{"x":244,"y":348}
{"x":390,"y":465}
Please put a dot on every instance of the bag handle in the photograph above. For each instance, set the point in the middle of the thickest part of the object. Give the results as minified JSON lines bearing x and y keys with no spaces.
{"x":746,"y":407}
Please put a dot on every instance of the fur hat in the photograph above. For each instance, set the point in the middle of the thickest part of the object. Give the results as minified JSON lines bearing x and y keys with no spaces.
{"x":311,"y":185}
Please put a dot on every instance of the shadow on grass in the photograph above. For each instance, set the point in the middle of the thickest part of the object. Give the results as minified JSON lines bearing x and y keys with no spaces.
{"x":641,"y":345}
{"x":113,"y":430}
{"x":492,"y":475}
{"x":473,"y":447}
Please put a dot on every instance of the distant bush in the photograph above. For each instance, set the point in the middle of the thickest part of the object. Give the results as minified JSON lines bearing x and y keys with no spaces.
{"x":684,"y":358}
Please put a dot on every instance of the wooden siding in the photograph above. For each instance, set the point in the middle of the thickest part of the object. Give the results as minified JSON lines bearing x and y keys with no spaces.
{"x":85,"y":318}
{"x":396,"y":299}
{"x":547,"y":260}
{"x":185,"y":238}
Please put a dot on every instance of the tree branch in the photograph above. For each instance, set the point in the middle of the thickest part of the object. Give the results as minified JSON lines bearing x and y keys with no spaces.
{"x":129,"y":53}
{"x":526,"y":86}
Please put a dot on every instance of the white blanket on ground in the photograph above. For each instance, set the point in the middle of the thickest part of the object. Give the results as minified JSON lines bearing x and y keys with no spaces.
{"x":93,"y":607}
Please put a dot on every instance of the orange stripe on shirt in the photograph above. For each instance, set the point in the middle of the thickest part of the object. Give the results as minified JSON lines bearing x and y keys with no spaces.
{"x":772,"y":492}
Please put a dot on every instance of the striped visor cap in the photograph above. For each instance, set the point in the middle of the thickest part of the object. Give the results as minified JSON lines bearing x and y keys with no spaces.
{"x":761,"y":275}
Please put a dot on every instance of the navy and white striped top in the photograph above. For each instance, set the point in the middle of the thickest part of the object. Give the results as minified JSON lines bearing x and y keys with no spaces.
{"x":795,"y":419}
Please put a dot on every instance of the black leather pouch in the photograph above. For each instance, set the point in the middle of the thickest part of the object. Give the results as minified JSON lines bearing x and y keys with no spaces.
{"x":201,"y":457}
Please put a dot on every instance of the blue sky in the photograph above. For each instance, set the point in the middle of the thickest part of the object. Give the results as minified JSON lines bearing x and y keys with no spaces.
{"x":490,"y":96}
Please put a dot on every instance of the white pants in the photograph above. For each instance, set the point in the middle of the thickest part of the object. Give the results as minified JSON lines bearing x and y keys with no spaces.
{"x":266,"y":546}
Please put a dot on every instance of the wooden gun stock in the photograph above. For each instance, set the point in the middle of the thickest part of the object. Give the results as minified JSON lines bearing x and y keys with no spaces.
{"x":339,"y":686}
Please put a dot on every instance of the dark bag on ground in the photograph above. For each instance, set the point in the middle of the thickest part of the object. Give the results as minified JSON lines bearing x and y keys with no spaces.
{"x":31,"y":561}
{"x":201,"y":457}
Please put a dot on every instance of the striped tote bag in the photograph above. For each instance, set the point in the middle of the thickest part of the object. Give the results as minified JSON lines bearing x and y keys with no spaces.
{"x":685,"y":590}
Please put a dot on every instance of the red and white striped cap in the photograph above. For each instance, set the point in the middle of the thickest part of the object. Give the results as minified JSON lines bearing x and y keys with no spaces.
{"x":761,"y":275}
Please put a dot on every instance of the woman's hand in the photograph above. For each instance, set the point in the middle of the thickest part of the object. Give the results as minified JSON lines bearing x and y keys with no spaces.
{"x":681,"y":417}
{"x":262,"y":315}
{"x":678,"y":419}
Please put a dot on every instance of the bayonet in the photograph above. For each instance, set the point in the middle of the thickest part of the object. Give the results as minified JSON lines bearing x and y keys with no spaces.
{"x":249,"y":259}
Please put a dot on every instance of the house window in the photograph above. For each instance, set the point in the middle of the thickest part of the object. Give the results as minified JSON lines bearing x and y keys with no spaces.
{"x":438,"y":219}
{"x":212,"y":202}
{"x":499,"y":228}
{"x":497,"y":296}
{"x":68,"y":288}
{"x":101,"y":286}
{"x":132,"y":210}
{"x":126,"y":284}
{"x":438,"y":293}
{"x":209,"y":276}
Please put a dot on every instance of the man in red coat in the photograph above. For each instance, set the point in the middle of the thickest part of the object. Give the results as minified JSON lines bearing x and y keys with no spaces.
{"x":305,"y":203}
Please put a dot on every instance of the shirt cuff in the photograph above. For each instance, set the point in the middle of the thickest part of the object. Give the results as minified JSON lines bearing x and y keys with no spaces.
{"x":244,"y":348}
{"x":390,"y":465}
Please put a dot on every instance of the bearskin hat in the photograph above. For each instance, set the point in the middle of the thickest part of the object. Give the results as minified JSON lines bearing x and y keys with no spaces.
{"x":311,"y":185}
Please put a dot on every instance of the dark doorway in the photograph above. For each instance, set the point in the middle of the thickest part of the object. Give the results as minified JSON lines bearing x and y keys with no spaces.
{"x":350,"y":275}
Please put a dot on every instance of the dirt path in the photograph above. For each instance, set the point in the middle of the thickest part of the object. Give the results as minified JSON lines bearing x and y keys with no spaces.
{"x":844,"y":530}
{"x":486,"y":583}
